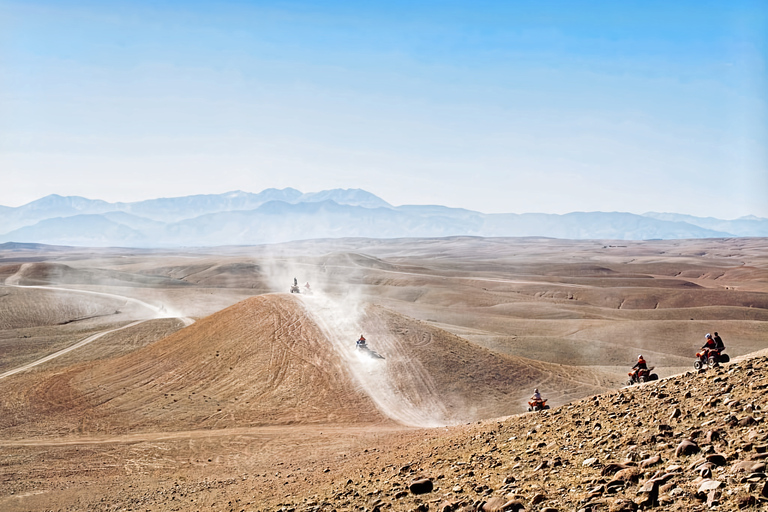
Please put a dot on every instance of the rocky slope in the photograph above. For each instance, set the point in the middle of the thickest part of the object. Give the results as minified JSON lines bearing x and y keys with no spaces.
{"x":691,"y":442}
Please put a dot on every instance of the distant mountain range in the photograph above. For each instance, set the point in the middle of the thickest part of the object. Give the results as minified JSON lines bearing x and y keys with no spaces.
{"x":272,"y":216}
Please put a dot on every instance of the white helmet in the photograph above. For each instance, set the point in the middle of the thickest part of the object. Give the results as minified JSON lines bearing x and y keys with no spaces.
{"x":535,"y":390}
{"x":708,"y":336}
{"x":640,"y":356}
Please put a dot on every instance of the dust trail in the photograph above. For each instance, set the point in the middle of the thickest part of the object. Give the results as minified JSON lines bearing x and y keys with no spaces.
{"x":65,"y":350}
{"x":399,"y":385}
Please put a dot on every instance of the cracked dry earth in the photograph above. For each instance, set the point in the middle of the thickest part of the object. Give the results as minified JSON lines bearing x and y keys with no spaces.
{"x":692,"y":442}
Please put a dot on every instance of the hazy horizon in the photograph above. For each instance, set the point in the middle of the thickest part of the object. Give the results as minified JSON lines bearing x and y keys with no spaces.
{"x":491,"y":106}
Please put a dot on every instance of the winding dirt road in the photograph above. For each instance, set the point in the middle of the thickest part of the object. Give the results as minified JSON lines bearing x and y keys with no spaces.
{"x":158,"y":311}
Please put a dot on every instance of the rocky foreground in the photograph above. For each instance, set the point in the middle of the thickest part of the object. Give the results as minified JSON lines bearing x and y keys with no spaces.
{"x":691,"y":442}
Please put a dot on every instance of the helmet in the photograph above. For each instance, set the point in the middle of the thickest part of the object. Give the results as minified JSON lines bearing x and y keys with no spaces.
{"x":640,"y":356}
{"x":708,"y":336}
{"x":535,"y":390}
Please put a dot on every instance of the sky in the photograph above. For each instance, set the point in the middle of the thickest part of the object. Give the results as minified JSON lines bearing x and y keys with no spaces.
{"x":495,"y":106}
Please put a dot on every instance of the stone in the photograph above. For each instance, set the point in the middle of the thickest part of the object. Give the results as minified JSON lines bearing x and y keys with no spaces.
{"x":709,"y":485}
{"x":713,"y":498}
{"x":622,"y":505}
{"x":494,"y":504}
{"x":628,"y":475}
{"x":686,"y":447}
{"x":421,"y":486}
{"x":717,"y":459}
{"x":748,"y":466}
{"x":650,"y":461}
{"x":612,"y":468}
{"x":589,"y":462}
{"x":711,"y":436}
{"x":538,"y":498}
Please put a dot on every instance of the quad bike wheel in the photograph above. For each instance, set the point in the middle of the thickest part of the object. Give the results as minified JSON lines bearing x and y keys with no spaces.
{"x":711,"y":360}
{"x":642,"y":378}
{"x":725,"y":358}
{"x":629,"y":382}
{"x":654,"y":377}
{"x":697,"y":364}
{"x":545,"y":407}
{"x":530,"y":409}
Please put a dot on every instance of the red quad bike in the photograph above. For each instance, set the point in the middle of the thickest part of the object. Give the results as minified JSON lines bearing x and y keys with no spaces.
{"x":641,"y":376}
{"x":537,"y":405}
{"x":710,"y":357}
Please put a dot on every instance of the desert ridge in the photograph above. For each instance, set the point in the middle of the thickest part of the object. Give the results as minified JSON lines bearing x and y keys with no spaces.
{"x":265,"y":361}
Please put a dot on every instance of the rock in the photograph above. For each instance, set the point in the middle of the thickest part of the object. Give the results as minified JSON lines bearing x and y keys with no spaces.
{"x":628,"y":475}
{"x":686,"y":447}
{"x":447,"y":506}
{"x":746,"y":501}
{"x":675,"y":413}
{"x":401,"y":494}
{"x":421,"y":486}
{"x":457,"y":488}
{"x":711,"y":436}
{"x":595,"y":492}
{"x":612,"y":468}
{"x":748,"y":466}
{"x":713,"y":498}
{"x":746,"y":421}
{"x":422,"y":507}
{"x":494,"y":504}
{"x":538,"y":498}
{"x":589,"y":462}
{"x":549,"y":509}
{"x":709,"y":485}
{"x":509,"y":479}
{"x":622,"y":505}
{"x":649,"y":494}
{"x":650,"y":461}
{"x":717,"y":459}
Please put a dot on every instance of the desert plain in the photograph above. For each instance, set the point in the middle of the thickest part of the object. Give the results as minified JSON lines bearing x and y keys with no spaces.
{"x":192,"y":379}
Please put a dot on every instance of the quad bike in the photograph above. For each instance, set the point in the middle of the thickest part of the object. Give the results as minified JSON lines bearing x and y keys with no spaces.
{"x":537,"y":405}
{"x":641,"y":375}
{"x":710,"y":357}
{"x":295,"y":289}
{"x":363,"y":348}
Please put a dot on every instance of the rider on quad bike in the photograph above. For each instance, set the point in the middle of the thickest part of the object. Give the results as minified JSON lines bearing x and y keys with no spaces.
{"x":640,"y":372}
{"x":639,"y":365}
{"x":361,"y":342}
{"x":536,"y":403}
{"x":711,"y":352}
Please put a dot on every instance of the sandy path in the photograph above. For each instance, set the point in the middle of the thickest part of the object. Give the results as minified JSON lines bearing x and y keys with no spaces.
{"x":278,"y":431}
{"x":66,"y":350}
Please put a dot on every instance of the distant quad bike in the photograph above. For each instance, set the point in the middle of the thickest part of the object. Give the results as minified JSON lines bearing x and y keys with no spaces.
{"x":709,"y":358}
{"x":641,"y":376}
{"x":295,"y":288}
{"x":362,"y":346}
{"x":537,"y":405}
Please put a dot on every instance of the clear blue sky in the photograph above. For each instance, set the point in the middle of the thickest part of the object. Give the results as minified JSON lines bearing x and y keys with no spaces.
{"x":496,"y":106}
